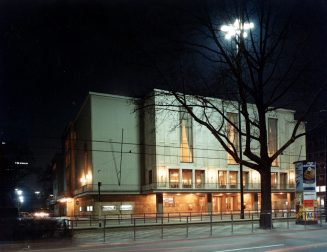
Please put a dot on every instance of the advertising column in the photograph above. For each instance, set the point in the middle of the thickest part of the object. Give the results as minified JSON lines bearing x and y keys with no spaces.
{"x":305,"y":195}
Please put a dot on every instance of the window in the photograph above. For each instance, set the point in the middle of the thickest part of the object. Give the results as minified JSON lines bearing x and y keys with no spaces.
{"x":245,"y":179}
{"x":233,"y":179}
{"x":150,"y":177}
{"x":199,"y":178}
{"x":173,"y":178}
{"x":187,"y":178}
{"x":283,"y":180}
{"x":272,"y":138}
{"x":233,"y":135}
{"x":274,"y":179}
{"x":186,"y":137}
{"x":89,"y":208}
{"x":222,"y":179}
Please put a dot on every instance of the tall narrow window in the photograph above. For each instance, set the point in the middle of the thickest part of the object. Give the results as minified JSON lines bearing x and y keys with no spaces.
{"x":186,"y":137}
{"x":150,"y":177}
{"x":173,"y":178}
{"x":233,"y":179}
{"x":274,"y":180}
{"x":232,"y":134}
{"x":187,"y":178}
{"x":272,"y":138}
{"x":199,"y":178}
{"x":222,"y":179}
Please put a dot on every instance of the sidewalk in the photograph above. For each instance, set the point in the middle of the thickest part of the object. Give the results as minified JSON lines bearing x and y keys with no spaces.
{"x":151,"y":233}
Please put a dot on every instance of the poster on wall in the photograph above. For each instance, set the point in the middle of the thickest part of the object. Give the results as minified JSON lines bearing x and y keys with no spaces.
{"x":299,"y":176}
{"x":309,"y":176}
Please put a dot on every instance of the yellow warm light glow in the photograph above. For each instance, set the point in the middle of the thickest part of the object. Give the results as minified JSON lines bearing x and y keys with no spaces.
{"x":89,"y":177}
{"x":63,"y":200}
{"x":83,"y":180}
{"x":292,"y":176}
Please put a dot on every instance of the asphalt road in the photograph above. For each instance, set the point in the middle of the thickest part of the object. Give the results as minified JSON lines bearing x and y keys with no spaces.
{"x":274,"y":240}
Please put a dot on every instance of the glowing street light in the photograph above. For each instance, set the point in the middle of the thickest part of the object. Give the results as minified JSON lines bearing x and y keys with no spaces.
{"x":20,"y":198}
{"x":238,"y":30}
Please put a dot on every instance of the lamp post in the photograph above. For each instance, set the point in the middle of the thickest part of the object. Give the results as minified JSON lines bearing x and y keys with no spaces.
{"x":20,"y":198}
{"x":238,"y":30}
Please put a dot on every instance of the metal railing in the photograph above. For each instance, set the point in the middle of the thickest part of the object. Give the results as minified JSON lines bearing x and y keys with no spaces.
{"x":179,"y":186}
{"x":186,"y":224}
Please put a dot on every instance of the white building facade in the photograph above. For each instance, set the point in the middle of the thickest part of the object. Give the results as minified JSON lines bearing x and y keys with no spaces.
{"x":127,"y":156}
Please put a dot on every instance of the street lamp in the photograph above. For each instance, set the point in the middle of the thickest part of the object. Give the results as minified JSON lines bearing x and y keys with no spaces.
{"x":238,"y":30}
{"x":20,"y":198}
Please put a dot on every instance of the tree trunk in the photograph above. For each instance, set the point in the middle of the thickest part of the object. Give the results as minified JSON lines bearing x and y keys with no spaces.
{"x":266,"y":214}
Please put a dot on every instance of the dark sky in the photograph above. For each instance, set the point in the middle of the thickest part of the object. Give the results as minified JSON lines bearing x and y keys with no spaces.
{"x":53,"y":52}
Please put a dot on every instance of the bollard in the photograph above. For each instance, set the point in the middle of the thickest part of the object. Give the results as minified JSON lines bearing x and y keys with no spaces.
{"x":162,"y":227}
{"x":211,"y":224}
{"x":252,"y":222}
{"x":168,"y":218}
{"x":221,"y":215}
{"x":288,"y":221}
{"x":143,"y":217}
{"x":180,"y":218}
{"x":134,"y":231}
{"x":90,"y":221}
{"x":305,"y":220}
{"x":104,"y":230}
{"x":201,"y":216}
{"x":232,"y":223}
{"x":186,"y":226}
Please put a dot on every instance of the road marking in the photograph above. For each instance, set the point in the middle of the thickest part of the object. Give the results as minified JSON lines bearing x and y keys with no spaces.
{"x":239,"y":249}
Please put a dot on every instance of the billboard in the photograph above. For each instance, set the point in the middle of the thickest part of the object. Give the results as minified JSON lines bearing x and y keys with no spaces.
{"x":305,"y":196}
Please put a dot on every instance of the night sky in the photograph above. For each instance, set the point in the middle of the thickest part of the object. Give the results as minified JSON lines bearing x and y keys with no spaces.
{"x":53,"y":52}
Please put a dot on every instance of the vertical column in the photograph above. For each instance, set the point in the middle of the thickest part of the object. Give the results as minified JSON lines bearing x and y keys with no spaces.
{"x":209,"y":202}
{"x":159,"y":203}
{"x":289,"y":200}
{"x":255,"y":201}
{"x":193,"y":179}
{"x":228,"y":180}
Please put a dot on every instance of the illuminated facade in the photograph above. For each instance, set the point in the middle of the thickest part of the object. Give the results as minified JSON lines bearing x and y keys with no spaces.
{"x":124,"y":158}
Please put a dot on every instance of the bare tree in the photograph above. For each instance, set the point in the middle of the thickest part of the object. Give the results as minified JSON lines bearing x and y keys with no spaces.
{"x":259,"y":71}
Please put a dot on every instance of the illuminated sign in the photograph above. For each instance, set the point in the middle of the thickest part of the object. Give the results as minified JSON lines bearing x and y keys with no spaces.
{"x":108,"y":208}
{"x":126,"y":207}
{"x":21,"y":163}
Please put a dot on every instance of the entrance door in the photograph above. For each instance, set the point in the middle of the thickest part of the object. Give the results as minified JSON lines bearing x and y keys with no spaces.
{"x":217,"y":204}
{"x":229,"y":203}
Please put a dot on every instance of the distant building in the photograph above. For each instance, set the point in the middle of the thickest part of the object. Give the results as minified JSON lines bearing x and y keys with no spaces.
{"x":120,"y":157}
